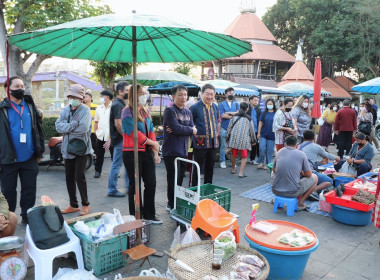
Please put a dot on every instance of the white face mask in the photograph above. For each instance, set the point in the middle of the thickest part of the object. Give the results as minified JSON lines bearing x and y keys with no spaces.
{"x":363,"y":109}
{"x":74,"y":102}
{"x":353,"y":106}
{"x":142,"y":100}
{"x":270,"y":107}
{"x":305,"y":105}
{"x":335,"y":108}
{"x":102,"y":100}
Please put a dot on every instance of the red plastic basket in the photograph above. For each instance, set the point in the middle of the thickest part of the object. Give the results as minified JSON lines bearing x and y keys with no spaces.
{"x":346,"y":200}
{"x":350,"y":186}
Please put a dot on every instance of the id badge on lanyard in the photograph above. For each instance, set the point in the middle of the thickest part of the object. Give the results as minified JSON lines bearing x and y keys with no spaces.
{"x":22,"y":135}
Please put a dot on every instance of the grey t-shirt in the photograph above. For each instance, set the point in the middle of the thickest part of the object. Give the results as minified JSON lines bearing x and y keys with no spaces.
{"x":289,"y":163}
{"x":314,"y":151}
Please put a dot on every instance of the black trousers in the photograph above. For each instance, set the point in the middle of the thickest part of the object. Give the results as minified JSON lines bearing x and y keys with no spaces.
{"x":170,"y":173}
{"x":75,"y":176}
{"x":99,"y":152}
{"x":27,"y":171}
{"x":255,"y":150}
{"x":206,"y":157}
{"x":93,"y":140}
{"x":147,"y":172}
{"x":344,"y":142}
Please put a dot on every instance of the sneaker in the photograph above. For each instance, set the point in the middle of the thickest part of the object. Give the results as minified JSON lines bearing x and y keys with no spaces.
{"x":265,"y":167}
{"x":168,"y":208}
{"x":254,"y":162}
{"x":223,"y":164}
{"x":117,"y":194}
{"x":97,"y":174}
{"x":260,"y":166}
{"x":155,"y":220}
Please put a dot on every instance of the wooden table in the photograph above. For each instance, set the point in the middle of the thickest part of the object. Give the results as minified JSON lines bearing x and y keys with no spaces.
{"x":198,"y":256}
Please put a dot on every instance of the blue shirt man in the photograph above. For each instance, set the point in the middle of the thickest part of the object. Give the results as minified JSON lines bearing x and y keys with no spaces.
{"x":20,"y":127}
{"x":227,"y":109}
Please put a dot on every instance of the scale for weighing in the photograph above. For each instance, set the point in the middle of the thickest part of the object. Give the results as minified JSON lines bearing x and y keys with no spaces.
{"x":12,"y":265}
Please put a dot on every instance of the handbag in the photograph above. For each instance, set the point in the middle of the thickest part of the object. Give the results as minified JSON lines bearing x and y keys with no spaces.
{"x":46,"y":227}
{"x":365,"y":127}
{"x":76,"y":147}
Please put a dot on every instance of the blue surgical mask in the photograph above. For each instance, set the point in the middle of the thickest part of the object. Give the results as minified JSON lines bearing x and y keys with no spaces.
{"x":74,"y":102}
{"x":270,"y":107}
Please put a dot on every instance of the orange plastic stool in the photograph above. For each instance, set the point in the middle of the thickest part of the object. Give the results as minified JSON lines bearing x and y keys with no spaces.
{"x":214,"y":219}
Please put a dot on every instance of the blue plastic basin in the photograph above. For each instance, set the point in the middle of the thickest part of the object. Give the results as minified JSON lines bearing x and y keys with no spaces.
{"x":342,"y":180}
{"x":350,"y":216}
{"x":288,"y":265}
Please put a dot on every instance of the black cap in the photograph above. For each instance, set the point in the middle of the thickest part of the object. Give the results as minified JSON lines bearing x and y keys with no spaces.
{"x":108,"y":93}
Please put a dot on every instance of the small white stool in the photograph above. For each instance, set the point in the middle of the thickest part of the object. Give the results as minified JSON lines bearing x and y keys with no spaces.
{"x":43,"y":259}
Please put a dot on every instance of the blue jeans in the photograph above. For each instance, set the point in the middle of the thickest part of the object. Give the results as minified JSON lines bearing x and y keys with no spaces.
{"x":266,"y":149}
{"x":322,"y":178}
{"x":117,"y":162}
{"x":223,"y":145}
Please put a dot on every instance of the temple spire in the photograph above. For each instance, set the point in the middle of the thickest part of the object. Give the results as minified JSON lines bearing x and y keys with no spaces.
{"x":247,"y":6}
{"x":299,"y":56}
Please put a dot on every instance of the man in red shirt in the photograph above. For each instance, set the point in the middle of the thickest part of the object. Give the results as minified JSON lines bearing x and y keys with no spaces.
{"x":344,"y":127}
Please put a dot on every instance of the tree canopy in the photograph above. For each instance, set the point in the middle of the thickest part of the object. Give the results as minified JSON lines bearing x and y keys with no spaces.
{"x":25,"y":15}
{"x":105,"y":72}
{"x":344,"y":33}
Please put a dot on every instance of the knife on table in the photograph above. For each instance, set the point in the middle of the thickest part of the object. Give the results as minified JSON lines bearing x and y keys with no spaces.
{"x":179,"y":262}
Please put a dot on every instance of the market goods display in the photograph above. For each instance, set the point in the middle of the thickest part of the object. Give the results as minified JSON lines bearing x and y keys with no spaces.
{"x":363,"y":197}
{"x":365,"y":186}
{"x":226,"y":241}
{"x":296,"y":238}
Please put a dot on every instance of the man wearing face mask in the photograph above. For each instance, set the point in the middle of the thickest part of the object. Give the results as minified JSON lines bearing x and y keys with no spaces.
{"x":228,"y":109}
{"x":102,"y":130}
{"x":118,"y":104}
{"x":21,"y":146}
{"x":74,"y":123}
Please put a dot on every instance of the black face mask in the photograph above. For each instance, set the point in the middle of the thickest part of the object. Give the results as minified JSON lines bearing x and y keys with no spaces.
{"x":230,"y":97}
{"x":126,"y":96}
{"x":17,"y":93}
{"x":360,"y":144}
{"x":288,"y":109}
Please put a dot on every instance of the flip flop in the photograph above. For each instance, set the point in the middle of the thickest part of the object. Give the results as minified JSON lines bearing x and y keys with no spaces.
{"x":301,"y":208}
{"x":242,"y":176}
{"x":233,"y":171}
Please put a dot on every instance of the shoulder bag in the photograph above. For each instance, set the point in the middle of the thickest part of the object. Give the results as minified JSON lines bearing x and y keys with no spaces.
{"x":76,"y":146}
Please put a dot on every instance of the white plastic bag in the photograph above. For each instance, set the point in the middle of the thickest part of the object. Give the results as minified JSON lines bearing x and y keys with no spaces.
{"x":189,"y":236}
{"x":321,"y":121}
{"x":226,"y":242}
{"x":347,"y":168}
{"x":323,"y":205}
{"x":151,"y":272}
{"x":74,"y":274}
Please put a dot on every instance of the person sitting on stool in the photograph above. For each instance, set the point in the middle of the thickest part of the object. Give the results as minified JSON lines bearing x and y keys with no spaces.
{"x":8,"y":220}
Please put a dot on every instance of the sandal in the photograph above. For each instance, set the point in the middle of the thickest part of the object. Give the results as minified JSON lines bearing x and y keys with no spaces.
{"x":69,"y":209}
{"x":301,"y":208}
{"x":85,"y":210}
{"x":242,"y":176}
{"x":233,"y":171}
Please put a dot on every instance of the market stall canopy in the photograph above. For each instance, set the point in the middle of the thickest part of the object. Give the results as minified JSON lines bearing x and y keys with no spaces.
{"x":298,"y":89}
{"x":237,"y":91}
{"x":110,"y":37}
{"x":370,"y":86}
{"x":159,"y":77}
{"x":166,"y":88}
{"x":220,"y":83}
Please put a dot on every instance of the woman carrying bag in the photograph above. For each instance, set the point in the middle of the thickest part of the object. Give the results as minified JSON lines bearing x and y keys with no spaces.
{"x":74,"y":123}
{"x":325,"y":132}
{"x":283,"y":123}
{"x":241,"y":137}
{"x":148,"y":154}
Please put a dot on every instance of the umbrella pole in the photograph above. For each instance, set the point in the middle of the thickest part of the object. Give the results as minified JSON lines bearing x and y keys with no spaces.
{"x":135,"y":146}
{"x":160,"y":109}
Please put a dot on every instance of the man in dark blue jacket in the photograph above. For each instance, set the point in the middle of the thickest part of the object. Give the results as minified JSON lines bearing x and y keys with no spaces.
{"x":21,"y":146}
{"x":178,"y":126}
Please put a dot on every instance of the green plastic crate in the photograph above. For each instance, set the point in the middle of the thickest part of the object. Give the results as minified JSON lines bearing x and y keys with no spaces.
{"x":106,"y":256}
{"x":185,"y":210}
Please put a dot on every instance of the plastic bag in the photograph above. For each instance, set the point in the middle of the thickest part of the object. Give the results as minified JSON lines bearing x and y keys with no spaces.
{"x":74,"y":274}
{"x":189,"y":236}
{"x":226,"y":242}
{"x":151,"y":272}
{"x":323,"y":205}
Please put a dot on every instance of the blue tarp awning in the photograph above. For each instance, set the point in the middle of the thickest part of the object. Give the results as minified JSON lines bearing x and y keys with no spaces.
{"x":238,"y":91}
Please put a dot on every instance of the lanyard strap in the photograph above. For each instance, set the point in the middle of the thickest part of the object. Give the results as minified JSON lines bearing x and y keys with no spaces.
{"x":19,"y":113}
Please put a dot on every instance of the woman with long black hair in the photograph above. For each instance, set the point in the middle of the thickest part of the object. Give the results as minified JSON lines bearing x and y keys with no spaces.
{"x":241,"y":137}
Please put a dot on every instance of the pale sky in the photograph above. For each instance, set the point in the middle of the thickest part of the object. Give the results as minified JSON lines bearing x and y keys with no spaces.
{"x":210,"y":15}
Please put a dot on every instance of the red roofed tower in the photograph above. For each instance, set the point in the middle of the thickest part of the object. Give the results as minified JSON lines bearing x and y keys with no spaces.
{"x":266,"y":60}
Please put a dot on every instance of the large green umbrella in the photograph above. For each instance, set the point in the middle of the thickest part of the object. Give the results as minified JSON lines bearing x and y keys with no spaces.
{"x":159,"y":77}
{"x":130,"y":38}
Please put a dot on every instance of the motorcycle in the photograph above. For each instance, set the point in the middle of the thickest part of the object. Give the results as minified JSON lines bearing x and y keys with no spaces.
{"x":55,"y":158}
